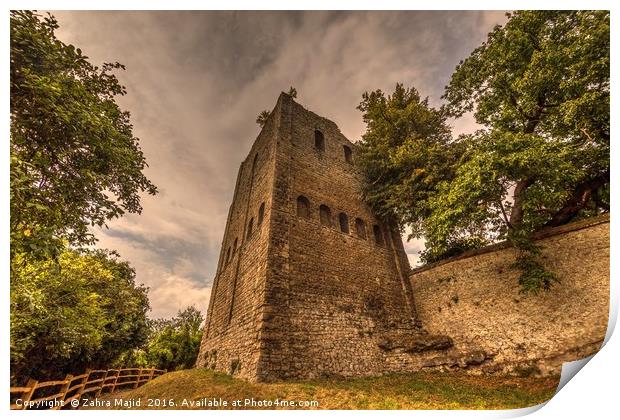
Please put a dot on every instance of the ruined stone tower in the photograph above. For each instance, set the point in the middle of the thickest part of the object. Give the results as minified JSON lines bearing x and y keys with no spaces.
{"x":309,"y":282}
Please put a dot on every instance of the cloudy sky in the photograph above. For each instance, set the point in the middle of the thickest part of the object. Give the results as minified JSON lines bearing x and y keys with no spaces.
{"x":197,"y":80}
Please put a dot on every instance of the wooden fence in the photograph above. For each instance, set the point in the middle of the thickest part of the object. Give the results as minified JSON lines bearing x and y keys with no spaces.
{"x":55,"y":395}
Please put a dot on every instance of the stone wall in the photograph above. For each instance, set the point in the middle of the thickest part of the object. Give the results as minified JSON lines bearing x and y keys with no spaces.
{"x":475,"y":300}
{"x":230,"y":340}
{"x":306,"y":295}
{"x":334,"y":291}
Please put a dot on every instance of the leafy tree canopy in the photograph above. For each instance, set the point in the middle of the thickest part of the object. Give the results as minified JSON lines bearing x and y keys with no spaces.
{"x":539,"y":86}
{"x":75,"y":162}
{"x":405,"y":153}
{"x":173,"y":344}
{"x":80,"y":312}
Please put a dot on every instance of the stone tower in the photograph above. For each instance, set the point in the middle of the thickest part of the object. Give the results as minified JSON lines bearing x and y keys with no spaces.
{"x":309,"y":282}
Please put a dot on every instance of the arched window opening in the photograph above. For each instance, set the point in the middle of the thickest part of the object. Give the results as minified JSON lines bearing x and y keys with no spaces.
{"x":228,"y":256}
{"x":348,"y":154}
{"x":303,"y":207}
{"x":326,"y":215}
{"x":319,"y":140}
{"x":261,"y":214}
{"x":250,"y":226}
{"x":360,"y":228}
{"x":344,"y":222}
{"x":378,"y":235}
{"x":234,"y":247}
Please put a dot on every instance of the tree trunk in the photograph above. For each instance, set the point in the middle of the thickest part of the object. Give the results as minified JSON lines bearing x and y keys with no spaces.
{"x":516,"y":215}
{"x":578,"y":200}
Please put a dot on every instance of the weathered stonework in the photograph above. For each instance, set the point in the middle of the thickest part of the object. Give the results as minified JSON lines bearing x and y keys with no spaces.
{"x":313,"y":291}
{"x":475,"y":300}
{"x":311,"y":284}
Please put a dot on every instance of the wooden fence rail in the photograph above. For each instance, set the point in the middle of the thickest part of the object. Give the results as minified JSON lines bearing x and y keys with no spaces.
{"x":55,"y":395}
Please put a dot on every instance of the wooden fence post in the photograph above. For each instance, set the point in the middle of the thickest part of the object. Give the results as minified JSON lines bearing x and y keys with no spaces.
{"x":65,"y":387}
{"x":102,"y":383}
{"x":27,"y":392}
{"x":118,"y":372}
{"x":83,"y":385}
{"x":27,"y":395}
{"x":138,"y":378}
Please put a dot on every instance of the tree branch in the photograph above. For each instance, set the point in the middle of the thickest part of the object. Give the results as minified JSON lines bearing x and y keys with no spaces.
{"x":582,"y":194}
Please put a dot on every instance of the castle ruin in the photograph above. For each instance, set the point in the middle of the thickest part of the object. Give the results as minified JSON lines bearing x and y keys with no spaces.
{"x":310,"y":283}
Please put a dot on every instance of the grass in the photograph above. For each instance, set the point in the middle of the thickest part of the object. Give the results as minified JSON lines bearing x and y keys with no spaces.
{"x":421,"y":390}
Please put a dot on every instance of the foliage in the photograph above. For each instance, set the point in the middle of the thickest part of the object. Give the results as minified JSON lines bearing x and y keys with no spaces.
{"x":173,"y":344}
{"x":474,"y":202}
{"x":292,"y":92}
{"x":262,"y":118}
{"x":75,"y":162}
{"x":541,"y":82}
{"x":539,"y":86}
{"x":405,"y":153}
{"x":534,"y":276}
{"x":81,"y":311}
{"x":453,"y":248}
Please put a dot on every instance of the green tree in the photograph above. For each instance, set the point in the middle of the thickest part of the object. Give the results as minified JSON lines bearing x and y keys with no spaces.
{"x":75,"y":162}
{"x":541,"y":82}
{"x":173,"y":344}
{"x":406,"y":152}
{"x":540,"y":87}
{"x":81,"y":311}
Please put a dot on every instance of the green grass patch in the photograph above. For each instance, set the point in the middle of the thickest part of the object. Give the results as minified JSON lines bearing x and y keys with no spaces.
{"x":420,"y":390}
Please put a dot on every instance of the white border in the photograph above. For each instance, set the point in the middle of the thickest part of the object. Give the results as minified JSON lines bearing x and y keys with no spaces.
{"x":594,"y":391}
